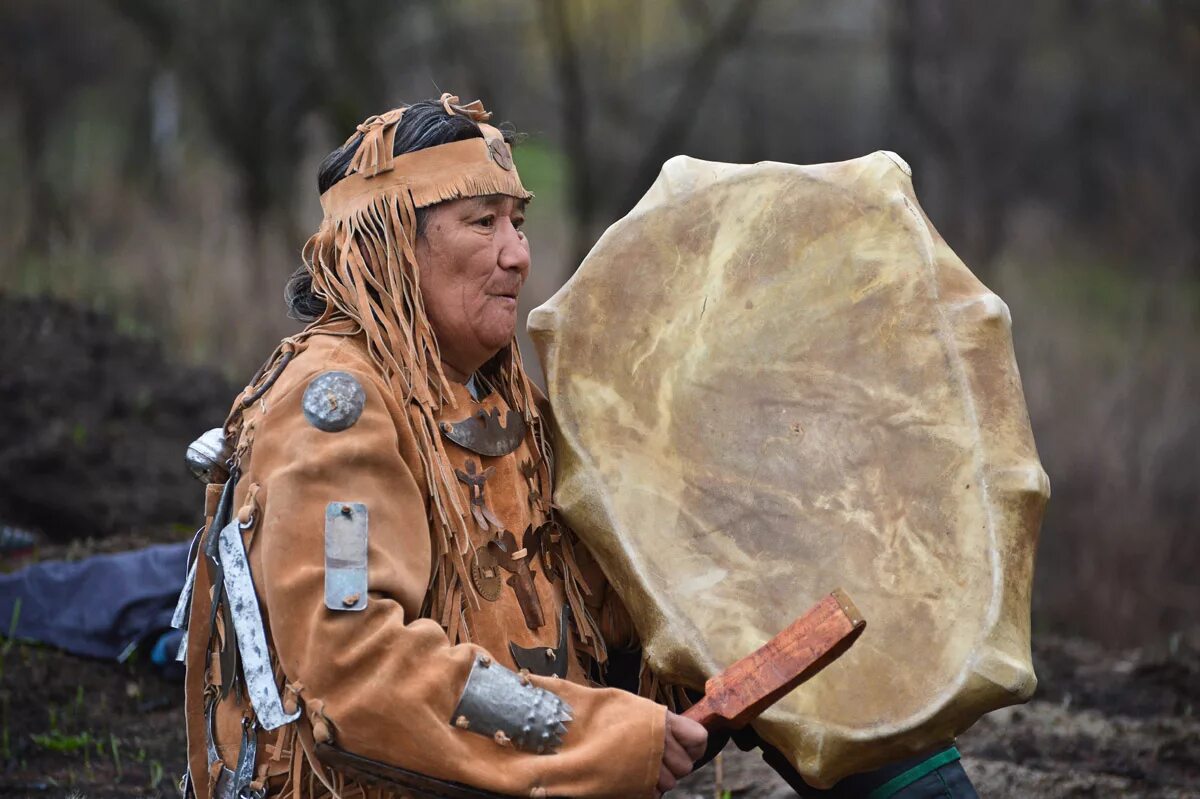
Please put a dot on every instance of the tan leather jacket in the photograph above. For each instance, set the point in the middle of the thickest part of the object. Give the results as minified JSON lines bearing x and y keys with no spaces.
{"x":384,"y":682}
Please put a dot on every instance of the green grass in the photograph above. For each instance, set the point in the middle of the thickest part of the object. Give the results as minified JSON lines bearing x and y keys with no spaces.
{"x":56,"y":741}
{"x":156,"y":774}
{"x":115,"y":746}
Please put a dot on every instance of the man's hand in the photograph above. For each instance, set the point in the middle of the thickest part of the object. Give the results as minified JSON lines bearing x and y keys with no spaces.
{"x":685,"y":741}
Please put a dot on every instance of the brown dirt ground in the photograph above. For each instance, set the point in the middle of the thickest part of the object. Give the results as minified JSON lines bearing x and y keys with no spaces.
{"x":91,"y":446}
{"x":1103,"y":724}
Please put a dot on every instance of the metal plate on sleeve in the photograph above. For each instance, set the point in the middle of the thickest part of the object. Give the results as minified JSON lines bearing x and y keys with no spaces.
{"x":346,"y":556}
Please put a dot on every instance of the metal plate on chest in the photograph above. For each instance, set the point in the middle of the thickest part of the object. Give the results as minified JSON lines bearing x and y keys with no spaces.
{"x":543,"y":660}
{"x":346,"y":556}
{"x":483,"y":433}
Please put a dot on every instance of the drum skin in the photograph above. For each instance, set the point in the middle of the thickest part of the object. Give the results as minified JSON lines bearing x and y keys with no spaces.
{"x":770,"y":381}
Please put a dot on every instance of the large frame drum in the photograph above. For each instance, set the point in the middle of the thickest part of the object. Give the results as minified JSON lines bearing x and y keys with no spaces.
{"x":770,"y":381}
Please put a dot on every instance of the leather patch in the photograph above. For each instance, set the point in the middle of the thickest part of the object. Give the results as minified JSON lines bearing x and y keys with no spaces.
{"x":346,"y":556}
{"x":516,"y":561}
{"x":483,"y":433}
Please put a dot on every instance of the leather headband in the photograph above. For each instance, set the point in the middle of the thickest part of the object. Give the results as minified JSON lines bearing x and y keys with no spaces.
{"x":468,"y":168}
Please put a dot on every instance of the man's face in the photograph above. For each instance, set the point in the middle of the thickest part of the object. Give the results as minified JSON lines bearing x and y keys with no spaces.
{"x":473,"y":260}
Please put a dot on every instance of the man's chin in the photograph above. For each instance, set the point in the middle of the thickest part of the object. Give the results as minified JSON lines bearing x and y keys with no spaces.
{"x":498,"y":337}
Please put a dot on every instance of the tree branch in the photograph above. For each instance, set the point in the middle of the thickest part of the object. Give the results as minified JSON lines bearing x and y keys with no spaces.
{"x":678,"y":120}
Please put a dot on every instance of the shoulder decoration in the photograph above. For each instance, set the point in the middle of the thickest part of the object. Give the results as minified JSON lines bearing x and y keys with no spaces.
{"x":333,"y":401}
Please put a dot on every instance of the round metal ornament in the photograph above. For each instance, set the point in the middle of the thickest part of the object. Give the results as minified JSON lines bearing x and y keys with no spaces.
{"x":333,"y":401}
{"x":500,"y":154}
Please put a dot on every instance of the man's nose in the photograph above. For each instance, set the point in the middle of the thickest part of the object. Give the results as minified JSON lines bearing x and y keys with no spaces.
{"x":514,"y":248}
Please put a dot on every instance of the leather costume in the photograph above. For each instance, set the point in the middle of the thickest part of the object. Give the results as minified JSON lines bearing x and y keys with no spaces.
{"x":385,"y":554}
{"x":384,"y":682}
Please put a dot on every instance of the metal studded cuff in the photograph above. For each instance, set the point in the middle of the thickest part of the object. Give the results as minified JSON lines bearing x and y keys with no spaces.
{"x":507,"y":708}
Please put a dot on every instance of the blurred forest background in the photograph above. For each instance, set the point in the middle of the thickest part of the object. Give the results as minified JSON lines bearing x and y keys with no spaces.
{"x":159,"y":164}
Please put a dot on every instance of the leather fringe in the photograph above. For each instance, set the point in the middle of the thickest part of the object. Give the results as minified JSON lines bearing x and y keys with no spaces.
{"x":363,"y":266}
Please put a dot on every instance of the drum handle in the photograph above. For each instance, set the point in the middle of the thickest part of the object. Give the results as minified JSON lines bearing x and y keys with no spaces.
{"x":738,"y":695}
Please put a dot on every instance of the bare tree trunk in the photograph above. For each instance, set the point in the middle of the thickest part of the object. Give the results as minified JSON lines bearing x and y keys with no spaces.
{"x":707,"y":58}
{"x":575,"y":119}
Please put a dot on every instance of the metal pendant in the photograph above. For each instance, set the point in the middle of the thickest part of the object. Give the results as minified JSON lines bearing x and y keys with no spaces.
{"x":179,"y":619}
{"x":251,"y":637}
{"x":485,"y":574}
{"x":475,"y":481}
{"x":483,"y":433}
{"x":227,"y":654}
{"x":544,"y":660}
{"x":232,"y":784}
{"x":183,"y":606}
{"x":550,"y":542}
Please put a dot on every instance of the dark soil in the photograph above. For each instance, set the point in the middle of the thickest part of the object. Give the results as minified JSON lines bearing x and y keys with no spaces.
{"x":95,"y":424}
{"x":1103,"y":724}
{"x":91,"y":452}
{"x":76,"y":727}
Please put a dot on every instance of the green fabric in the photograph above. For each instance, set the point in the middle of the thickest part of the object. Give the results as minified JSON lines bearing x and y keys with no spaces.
{"x":907,"y":778}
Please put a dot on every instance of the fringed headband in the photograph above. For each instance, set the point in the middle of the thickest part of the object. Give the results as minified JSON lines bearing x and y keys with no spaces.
{"x":468,"y":168}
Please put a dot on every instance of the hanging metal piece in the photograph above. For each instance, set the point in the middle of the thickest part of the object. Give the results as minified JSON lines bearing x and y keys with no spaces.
{"x":232,"y":783}
{"x":207,"y":456}
{"x":227,"y":654}
{"x":333,"y":401}
{"x":475,"y":481}
{"x":251,"y":638}
{"x":530,"y":472}
{"x":346,"y":556}
{"x":179,"y":619}
{"x":183,"y":605}
{"x":483,"y":433}
{"x":498,"y":703}
{"x":549,"y":541}
{"x":543,"y":660}
{"x":485,"y":574}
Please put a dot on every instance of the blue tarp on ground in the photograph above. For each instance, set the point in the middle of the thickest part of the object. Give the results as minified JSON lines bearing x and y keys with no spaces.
{"x":96,"y":607}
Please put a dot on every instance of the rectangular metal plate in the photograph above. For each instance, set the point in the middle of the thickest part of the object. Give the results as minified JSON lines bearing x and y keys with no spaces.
{"x":346,"y":556}
{"x":251,"y":638}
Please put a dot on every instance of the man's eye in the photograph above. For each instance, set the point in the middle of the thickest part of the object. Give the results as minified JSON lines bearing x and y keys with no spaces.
{"x":516,"y":223}
{"x":486,"y":221}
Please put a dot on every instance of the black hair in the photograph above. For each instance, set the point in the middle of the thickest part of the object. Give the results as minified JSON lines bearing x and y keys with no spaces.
{"x":424,"y":124}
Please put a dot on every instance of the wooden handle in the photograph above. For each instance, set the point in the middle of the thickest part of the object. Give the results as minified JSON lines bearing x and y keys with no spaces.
{"x":704,"y":712}
{"x":738,"y":695}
